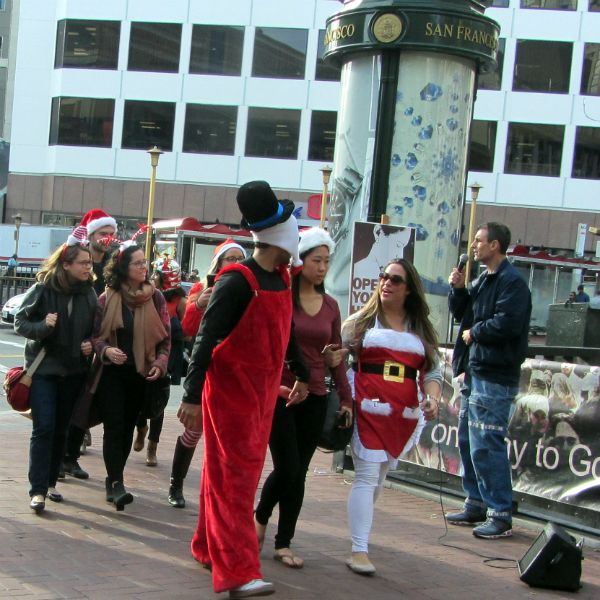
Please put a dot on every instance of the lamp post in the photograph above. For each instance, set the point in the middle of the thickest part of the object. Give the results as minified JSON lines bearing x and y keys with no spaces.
{"x":474,"y":187}
{"x":154,"y":153}
{"x":18,"y":220}
{"x":326,"y":171}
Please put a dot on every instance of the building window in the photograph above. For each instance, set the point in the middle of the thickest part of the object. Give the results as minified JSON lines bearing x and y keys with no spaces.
{"x":147,"y":124}
{"x":586,"y":162}
{"x":325,"y":70}
{"x":492,"y":80}
{"x":217,"y":50}
{"x":590,"y":78}
{"x":534,"y":149}
{"x":279,"y":53}
{"x":87,"y":44}
{"x":210,"y":129}
{"x":154,"y":47}
{"x":322,"y":135}
{"x":594,"y":6}
{"x":273,"y":133}
{"x":542,"y":66}
{"x":550,"y":4}
{"x":82,"y":122}
{"x":483,"y":144}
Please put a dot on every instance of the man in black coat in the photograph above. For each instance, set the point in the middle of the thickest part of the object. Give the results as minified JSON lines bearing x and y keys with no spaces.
{"x":494,"y":315}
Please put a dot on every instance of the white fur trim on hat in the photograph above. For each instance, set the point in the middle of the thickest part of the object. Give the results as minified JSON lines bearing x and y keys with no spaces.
{"x":93,"y":226}
{"x":225,"y":247}
{"x":313,"y":238}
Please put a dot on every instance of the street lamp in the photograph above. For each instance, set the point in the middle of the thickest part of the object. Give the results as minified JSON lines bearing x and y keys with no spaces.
{"x":154,"y":153}
{"x":326,"y":171}
{"x":18,"y":220}
{"x":474,"y":187}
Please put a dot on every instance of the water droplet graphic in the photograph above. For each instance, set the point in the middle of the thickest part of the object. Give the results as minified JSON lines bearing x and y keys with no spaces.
{"x":420,"y":192}
{"x":443,"y":207}
{"x":399,"y":210}
{"x":408,"y":201}
{"x":442,"y":223}
{"x":454,"y":238}
{"x":411,"y":161}
{"x":452,"y":124}
{"x":420,"y":232}
{"x":396,"y":160}
{"x":426,"y":133}
{"x":431,"y":92}
{"x":416,"y":120}
{"x":409,"y":111}
{"x":455,"y":96}
{"x":453,"y":109}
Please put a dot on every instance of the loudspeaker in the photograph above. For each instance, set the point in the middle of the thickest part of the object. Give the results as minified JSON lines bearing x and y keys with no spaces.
{"x":553,"y":560}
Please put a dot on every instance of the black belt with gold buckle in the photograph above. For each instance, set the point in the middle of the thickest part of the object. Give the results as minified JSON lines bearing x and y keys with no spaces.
{"x":390,"y":370}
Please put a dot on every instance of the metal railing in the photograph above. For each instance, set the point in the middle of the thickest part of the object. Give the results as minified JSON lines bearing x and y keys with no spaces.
{"x":11,"y":286}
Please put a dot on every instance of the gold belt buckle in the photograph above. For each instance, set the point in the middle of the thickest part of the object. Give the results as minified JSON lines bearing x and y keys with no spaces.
{"x":393,"y":371}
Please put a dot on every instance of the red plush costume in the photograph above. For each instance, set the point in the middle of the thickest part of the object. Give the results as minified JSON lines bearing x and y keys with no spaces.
{"x":239,"y":397}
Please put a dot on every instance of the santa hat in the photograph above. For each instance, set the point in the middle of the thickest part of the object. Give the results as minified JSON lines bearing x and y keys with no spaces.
{"x":95,"y":219}
{"x":313,"y":238}
{"x":227,"y":245}
{"x":78,"y":236}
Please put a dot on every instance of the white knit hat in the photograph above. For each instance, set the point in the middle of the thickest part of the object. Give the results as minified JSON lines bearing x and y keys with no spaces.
{"x":313,"y":238}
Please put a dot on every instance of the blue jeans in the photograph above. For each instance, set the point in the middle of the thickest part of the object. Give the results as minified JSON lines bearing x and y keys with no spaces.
{"x":482,"y":427}
{"x":52,"y":399}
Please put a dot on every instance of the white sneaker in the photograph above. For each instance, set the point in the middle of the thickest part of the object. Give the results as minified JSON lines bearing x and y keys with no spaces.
{"x":255,"y":587}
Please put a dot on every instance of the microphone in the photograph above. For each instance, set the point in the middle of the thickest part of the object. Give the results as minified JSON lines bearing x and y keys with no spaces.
{"x":462,"y":262}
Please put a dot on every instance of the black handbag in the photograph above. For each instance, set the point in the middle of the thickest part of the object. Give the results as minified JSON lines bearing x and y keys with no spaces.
{"x":333,"y":437}
{"x":156,"y":397}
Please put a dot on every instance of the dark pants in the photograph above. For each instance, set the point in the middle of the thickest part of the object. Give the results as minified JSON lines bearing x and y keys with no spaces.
{"x":120,"y":396}
{"x":156,"y":426}
{"x":293,"y":442}
{"x":52,"y":399}
{"x":75,"y":437}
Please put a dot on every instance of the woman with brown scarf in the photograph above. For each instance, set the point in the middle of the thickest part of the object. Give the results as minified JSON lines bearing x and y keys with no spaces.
{"x":132,"y":339}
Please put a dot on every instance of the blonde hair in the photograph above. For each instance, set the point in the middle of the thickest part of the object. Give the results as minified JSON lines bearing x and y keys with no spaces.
{"x":417,"y":314}
{"x":53,"y":274}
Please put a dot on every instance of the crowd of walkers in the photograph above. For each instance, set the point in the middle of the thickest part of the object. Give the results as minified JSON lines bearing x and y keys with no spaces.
{"x":260,"y":337}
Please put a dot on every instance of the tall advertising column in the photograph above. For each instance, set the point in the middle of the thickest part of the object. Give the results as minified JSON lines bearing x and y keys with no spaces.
{"x":407,"y":91}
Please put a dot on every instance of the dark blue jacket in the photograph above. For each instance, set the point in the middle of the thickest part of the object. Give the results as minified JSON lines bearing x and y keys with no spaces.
{"x":496,"y":308}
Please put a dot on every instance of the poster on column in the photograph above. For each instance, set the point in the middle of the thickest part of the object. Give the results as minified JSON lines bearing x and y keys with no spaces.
{"x":373,"y":247}
{"x":553,"y":444}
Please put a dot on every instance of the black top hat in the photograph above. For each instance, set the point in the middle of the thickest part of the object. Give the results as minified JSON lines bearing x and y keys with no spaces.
{"x":260,"y":208}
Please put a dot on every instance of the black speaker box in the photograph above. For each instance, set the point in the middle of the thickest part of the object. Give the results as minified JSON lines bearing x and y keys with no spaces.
{"x":553,"y":561}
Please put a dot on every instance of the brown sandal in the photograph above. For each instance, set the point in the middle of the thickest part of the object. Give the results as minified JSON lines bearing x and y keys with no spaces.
{"x":286,"y":557}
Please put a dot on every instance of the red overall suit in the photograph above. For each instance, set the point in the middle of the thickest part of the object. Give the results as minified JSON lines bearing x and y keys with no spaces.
{"x":241,"y":387}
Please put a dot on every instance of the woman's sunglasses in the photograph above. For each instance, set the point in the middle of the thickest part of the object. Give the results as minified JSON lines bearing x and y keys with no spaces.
{"x":395,"y":279}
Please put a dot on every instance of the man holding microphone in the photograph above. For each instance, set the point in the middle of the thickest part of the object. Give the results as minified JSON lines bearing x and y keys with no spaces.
{"x":494,"y":313}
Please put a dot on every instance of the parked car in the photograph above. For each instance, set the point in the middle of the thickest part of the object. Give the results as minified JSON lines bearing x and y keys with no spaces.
{"x":10,"y":308}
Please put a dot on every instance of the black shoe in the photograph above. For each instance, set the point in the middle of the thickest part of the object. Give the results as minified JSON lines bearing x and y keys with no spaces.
{"x":38,"y":503}
{"x":121,"y":496}
{"x":109,"y":490}
{"x":54,"y":495}
{"x":72,"y":467}
{"x":466,"y":517}
{"x":176,"y":498}
{"x":493,"y":529}
{"x":61,"y":472}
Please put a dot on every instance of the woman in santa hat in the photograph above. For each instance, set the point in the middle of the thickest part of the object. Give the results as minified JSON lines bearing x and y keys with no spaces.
{"x":56,"y":316}
{"x":397,"y":384}
{"x":225,"y":254}
{"x":296,"y":429}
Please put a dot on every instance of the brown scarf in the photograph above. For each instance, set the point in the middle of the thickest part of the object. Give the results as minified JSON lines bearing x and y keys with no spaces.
{"x":148,"y":329}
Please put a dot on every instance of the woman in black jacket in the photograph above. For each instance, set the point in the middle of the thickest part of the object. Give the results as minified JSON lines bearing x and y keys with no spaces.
{"x":57,"y":316}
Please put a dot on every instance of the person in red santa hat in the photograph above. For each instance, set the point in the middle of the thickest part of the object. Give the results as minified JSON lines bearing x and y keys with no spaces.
{"x":226,"y":253}
{"x":99,"y":227}
{"x":397,"y":385}
{"x":232,"y":386}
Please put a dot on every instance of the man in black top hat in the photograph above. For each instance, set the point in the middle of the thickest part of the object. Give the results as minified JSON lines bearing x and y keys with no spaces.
{"x":232,"y":385}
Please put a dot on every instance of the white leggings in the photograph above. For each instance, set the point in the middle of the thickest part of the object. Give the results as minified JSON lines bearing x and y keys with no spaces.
{"x":368,"y":481}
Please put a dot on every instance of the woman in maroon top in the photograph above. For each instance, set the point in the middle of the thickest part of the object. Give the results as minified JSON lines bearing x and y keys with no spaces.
{"x":296,"y":429}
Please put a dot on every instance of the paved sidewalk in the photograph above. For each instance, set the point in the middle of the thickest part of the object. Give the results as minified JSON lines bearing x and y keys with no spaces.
{"x":83,"y":548}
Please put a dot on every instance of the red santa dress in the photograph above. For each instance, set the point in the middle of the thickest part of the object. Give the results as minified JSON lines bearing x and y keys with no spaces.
{"x":238,"y":401}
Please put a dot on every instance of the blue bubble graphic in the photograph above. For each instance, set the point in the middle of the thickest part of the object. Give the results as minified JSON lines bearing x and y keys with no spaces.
{"x":409,"y":111}
{"x":416,"y":120}
{"x":452,"y":124}
{"x":420,"y":192}
{"x":431,"y":92}
{"x":396,"y":160}
{"x":411,"y":161}
{"x":443,"y":207}
{"x":426,"y":133}
{"x":408,"y":201}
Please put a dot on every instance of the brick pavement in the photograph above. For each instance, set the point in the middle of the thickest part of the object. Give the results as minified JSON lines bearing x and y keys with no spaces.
{"x":83,"y":548}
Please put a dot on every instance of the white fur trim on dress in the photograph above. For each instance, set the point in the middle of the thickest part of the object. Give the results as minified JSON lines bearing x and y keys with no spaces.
{"x":399,"y":341}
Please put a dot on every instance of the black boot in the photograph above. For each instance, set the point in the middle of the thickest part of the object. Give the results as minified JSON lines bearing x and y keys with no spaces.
{"x":109,"y":490}
{"x":182,"y":458}
{"x":121,"y":496}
